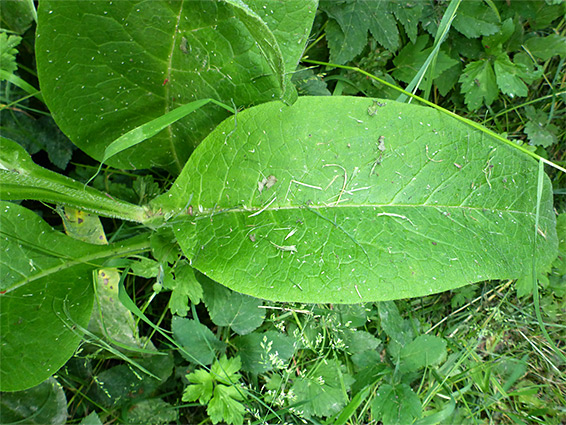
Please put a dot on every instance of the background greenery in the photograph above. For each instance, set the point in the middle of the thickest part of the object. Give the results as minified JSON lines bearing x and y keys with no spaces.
{"x":472,"y":355}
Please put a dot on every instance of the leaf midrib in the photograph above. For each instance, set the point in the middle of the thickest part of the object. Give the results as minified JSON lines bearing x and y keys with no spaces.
{"x":167,"y":104}
{"x":215,"y":211}
{"x":85,"y":260}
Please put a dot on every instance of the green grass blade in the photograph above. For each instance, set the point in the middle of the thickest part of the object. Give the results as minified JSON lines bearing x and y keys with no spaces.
{"x":17,"y":81}
{"x":439,"y":38}
{"x":151,"y":128}
{"x":536,"y":298}
{"x":351,"y":408}
{"x":441,"y":109}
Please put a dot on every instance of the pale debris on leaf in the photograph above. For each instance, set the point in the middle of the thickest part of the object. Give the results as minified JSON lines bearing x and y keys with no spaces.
{"x":266,"y":183}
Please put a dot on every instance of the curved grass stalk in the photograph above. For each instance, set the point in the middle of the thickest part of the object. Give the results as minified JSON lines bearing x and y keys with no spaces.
{"x":441,"y":109}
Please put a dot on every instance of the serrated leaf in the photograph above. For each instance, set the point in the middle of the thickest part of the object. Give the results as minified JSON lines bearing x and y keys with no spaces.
{"x":475,"y":19}
{"x":163,"y":246}
{"x":539,"y":131}
{"x":43,"y":404}
{"x":8,"y":52}
{"x":408,"y":13}
{"x":187,"y":284}
{"x":396,"y":405}
{"x":145,"y":267}
{"x":227,"y":308}
{"x":413,"y":56}
{"x":347,"y":32}
{"x":200,"y":388}
{"x":479,"y":84}
{"x":225,"y":405}
{"x":494,"y":42}
{"x":423,"y":351}
{"x":364,"y":221}
{"x":359,"y":341}
{"x":511,"y":77}
{"x":396,"y":328}
{"x":546,"y":47}
{"x":200,"y":345}
{"x":145,"y":59}
{"x":225,"y":370}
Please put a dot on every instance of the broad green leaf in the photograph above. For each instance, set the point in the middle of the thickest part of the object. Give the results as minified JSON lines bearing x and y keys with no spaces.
{"x":45,"y":289}
{"x":120,"y":385}
{"x":475,"y":19}
{"x":17,"y":15}
{"x":396,"y":405}
{"x":347,"y":32}
{"x":229,"y":308}
{"x":547,"y":47}
{"x":290,"y":22}
{"x":91,"y":419}
{"x":263,"y":36}
{"x":21,"y":178}
{"x":423,"y":351}
{"x":152,"y":411}
{"x":144,"y":59}
{"x":43,"y":404}
{"x":199,"y":343}
{"x":324,"y":202}
{"x":359,"y":341}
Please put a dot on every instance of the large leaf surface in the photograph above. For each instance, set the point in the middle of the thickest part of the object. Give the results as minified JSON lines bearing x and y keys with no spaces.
{"x":120,"y":64}
{"x":350,"y":199}
{"x":45,"y":288}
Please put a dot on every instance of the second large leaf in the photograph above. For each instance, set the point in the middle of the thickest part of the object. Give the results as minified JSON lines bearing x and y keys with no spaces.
{"x":106,"y":67}
{"x":350,"y":199}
